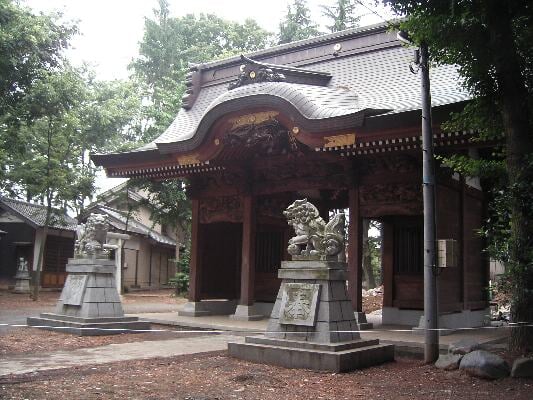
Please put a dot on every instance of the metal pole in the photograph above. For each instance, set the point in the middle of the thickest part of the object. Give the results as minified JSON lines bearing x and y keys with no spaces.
{"x":431,"y":349}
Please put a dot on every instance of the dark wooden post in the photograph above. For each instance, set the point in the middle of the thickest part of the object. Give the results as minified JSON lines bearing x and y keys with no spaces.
{"x":462,"y":247}
{"x":195,"y":273}
{"x":355,"y":250}
{"x":248,"y":251}
{"x":387,"y":260}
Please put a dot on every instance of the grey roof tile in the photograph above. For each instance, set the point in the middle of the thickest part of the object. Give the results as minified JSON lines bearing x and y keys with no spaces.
{"x":120,"y":222}
{"x":35,"y":214}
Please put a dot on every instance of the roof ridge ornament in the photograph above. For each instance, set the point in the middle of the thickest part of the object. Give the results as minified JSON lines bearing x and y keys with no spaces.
{"x":253,"y":71}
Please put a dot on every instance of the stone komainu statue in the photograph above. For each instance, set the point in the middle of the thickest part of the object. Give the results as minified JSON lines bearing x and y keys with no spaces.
{"x":314,"y":238}
{"x":91,"y":237}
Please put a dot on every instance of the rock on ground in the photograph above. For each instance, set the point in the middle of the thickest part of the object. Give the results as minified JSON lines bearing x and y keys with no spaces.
{"x":463,"y":346}
{"x":522,"y":368}
{"x":448,"y":362}
{"x":485,"y":365}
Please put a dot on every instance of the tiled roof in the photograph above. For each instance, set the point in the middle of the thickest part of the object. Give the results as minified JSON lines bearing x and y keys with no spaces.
{"x":372,"y":74}
{"x":35,"y":214}
{"x":118,"y":220}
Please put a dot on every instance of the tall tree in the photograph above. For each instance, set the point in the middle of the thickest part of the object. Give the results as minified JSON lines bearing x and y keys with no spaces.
{"x":29,"y":45}
{"x":490,"y":42}
{"x":342,"y":15}
{"x":297,"y":24}
{"x":168,"y":47}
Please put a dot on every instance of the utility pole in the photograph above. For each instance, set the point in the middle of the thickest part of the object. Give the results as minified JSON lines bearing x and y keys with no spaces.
{"x":431,"y":348}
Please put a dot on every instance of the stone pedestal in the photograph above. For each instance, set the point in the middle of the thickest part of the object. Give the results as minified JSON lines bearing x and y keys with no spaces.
{"x":246,"y":313}
{"x":89,"y":304}
{"x":312,"y":324}
{"x":22,"y":282}
{"x":362,"y":323}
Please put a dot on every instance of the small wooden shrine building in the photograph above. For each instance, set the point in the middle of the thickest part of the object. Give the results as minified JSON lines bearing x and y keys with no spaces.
{"x":336,"y":120}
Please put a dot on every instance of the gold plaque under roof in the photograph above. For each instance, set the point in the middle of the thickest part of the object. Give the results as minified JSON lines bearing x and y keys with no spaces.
{"x":252,"y":119}
{"x":339,"y":140}
{"x":188,"y":159}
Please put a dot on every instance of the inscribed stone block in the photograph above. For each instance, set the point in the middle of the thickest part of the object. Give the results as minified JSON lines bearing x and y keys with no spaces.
{"x":299,"y":304}
{"x":73,"y":290}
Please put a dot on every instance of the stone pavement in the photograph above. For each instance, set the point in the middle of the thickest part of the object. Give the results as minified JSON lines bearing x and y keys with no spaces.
{"x":21,"y":364}
{"x":406,"y":341}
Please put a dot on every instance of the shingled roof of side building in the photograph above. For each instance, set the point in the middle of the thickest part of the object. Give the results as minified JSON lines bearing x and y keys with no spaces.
{"x":369,"y":74}
{"x":35,"y":214}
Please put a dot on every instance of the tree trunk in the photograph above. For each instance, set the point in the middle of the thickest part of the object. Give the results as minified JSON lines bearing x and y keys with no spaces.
{"x":519,"y":147}
{"x":367,"y":258}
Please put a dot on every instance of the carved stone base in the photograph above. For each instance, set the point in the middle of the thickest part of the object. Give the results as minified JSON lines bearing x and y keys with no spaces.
{"x":89,"y":300}
{"x":312,"y":324}
{"x":246,"y":313}
{"x":22,"y":283}
{"x":88,"y":326}
{"x":193,"y":309}
{"x":337,"y":357}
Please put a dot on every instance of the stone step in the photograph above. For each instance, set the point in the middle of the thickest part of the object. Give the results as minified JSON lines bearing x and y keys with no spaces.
{"x":317,"y":360}
{"x":91,"y":328}
{"x":332,"y":347}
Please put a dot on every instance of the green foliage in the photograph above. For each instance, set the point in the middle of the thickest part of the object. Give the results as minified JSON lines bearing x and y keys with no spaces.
{"x":342,"y":15}
{"x":170,"y":45}
{"x":53,"y":115}
{"x":297,"y":24}
{"x":490,"y":43}
{"x":181,"y":280}
{"x":168,"y":204}
{"x":30,"y":45}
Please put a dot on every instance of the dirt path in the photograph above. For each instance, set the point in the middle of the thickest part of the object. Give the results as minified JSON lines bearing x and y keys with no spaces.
{"x":212,"y":376}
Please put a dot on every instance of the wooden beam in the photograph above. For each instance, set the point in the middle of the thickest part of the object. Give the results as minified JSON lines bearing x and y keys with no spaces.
{"x":355,"y":250}
{"x":195,"y":266}
{"x":247,"y":296}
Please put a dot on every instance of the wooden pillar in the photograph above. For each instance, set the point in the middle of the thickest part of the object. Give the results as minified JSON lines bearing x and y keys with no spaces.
{"x":355,"y":250}
{"x":462,"y":246}
{"x":387,"y":262}
{"x":195,"y":265}
{"x":248,"y":252}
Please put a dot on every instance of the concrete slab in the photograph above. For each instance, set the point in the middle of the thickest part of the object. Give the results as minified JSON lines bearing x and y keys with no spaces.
{"x":407,"y":343}
{"x":115,"y":352}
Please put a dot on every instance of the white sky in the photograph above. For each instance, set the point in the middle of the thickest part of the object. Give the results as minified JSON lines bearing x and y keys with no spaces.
{"x":110,"y":30}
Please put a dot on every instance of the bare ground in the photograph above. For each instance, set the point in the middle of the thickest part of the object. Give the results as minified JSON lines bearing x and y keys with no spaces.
{"x":211,"y":376}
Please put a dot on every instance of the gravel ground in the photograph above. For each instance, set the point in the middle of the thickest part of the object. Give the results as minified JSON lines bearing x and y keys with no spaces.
{"x":215,"y":376}
{"x":31,"y":340}
{"x":14,"y":308}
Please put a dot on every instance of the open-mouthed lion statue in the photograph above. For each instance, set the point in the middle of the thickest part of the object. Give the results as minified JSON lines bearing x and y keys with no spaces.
{"x":314,"y":238}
